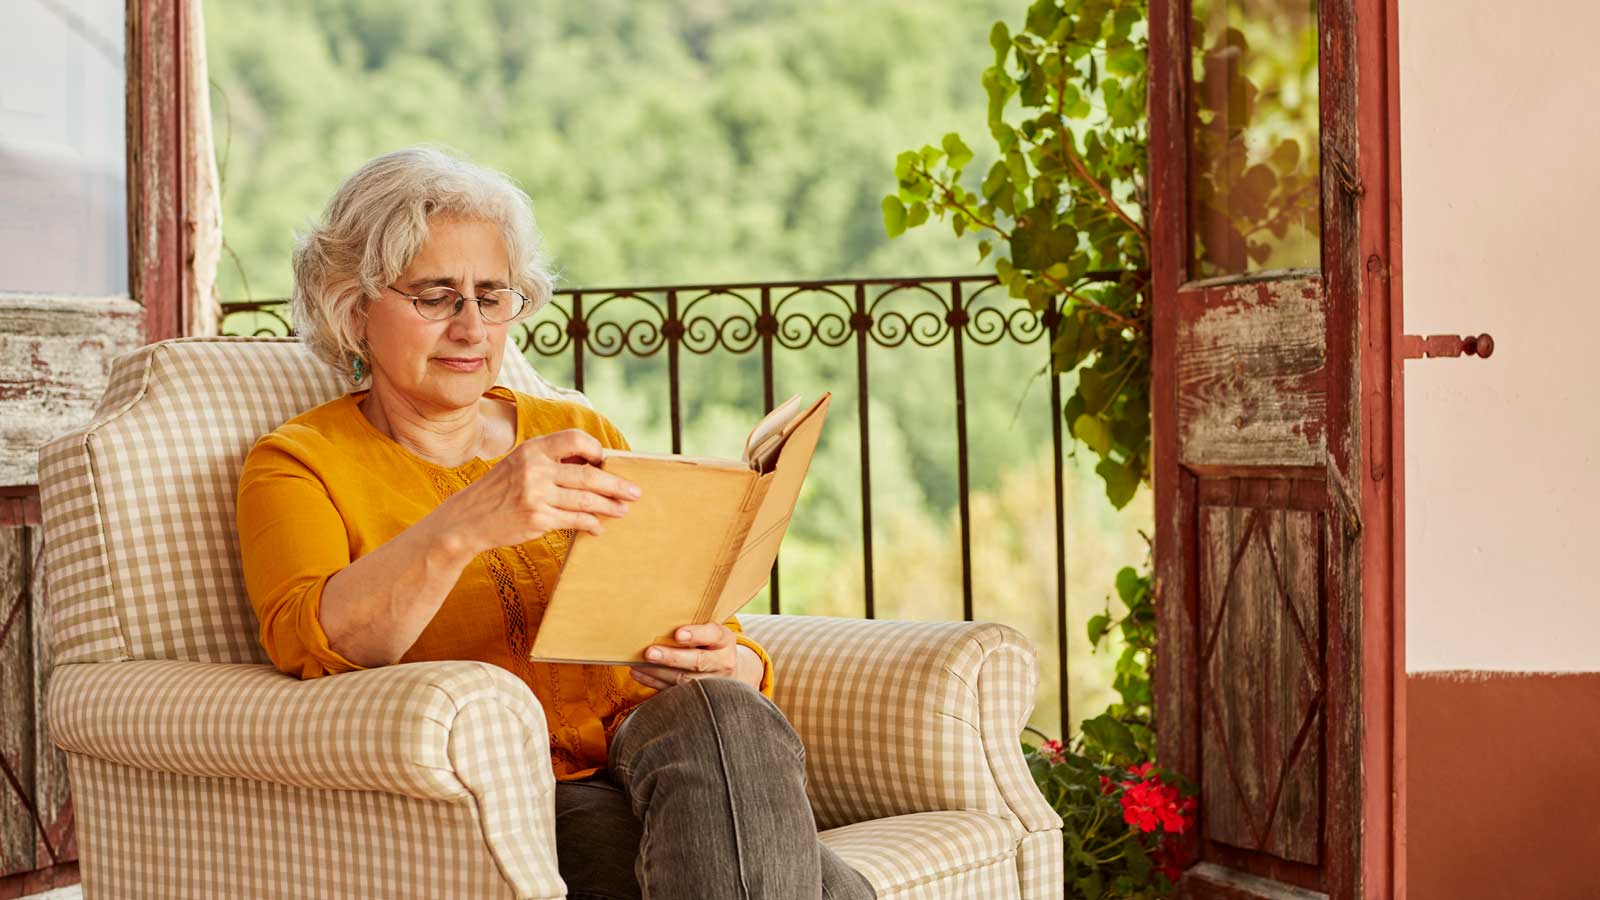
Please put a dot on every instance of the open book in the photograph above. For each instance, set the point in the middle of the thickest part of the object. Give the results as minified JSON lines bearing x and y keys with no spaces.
{"x":697,"y":544}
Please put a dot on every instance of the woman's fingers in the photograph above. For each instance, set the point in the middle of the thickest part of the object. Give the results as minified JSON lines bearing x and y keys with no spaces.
{"x":599,"y":481}
{"x":688,"y":659}
{"x":581,"y":521}
{"x":712,"y":650}
{"x":650,"y":680}
{"x":573,"y":442}
{"x":587,"y":502}
{"x":705,"y":634}
{"x":669,"y":676}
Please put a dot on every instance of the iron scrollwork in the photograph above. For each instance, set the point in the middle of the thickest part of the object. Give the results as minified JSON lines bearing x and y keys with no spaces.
{"x":739,"y":318}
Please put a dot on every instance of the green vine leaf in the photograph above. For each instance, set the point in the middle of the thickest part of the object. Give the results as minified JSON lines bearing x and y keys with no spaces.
{"x":1098,"y":626}
{"x":1039,"y":245}
{"x":1093,"y":432}
{"x":1000,"y":40}
{"x":1129,"y":584}
{"x":958,"y":152}
{"x":894,"y":216}
{"x":1111,"y":736}
{"x":1121,"y":481}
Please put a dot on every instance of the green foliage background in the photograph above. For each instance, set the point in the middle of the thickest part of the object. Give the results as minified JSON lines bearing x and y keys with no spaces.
{"x":1064,"y":208}
{"x":705,"y":141}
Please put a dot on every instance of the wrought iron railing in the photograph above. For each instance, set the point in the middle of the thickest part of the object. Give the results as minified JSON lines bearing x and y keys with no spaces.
{"x":760,"y":318}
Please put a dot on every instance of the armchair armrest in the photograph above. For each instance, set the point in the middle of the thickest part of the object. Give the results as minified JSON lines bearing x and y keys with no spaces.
{"x":399,"y":729}
{"x":458,"y":732}
{"x":907,"y":717}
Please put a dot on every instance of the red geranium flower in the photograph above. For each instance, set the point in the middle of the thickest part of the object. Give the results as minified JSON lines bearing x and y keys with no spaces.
{"x":1170,"y":859}
{"x":1148,"y":804}
{"x":1141,"y":801}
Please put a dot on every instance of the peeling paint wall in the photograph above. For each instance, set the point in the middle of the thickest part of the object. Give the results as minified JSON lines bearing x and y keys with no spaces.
{"x":55,"y":354}
{"x":1251,"y":385}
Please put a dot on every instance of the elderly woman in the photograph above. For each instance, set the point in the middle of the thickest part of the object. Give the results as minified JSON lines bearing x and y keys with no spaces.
{"x":426,"y":515}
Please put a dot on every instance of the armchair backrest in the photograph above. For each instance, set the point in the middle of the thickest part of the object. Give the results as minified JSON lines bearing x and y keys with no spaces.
{"x":141,"y":547}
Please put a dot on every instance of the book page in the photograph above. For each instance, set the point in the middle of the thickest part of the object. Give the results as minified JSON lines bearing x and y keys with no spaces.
{"x":753,"y":567}
{"x":771,"y":424}
{"x":712,"y":461}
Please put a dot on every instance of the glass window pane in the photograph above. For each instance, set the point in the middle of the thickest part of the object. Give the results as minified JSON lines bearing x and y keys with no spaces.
{"x":63,"y":159}
{"x":1254,"y":192}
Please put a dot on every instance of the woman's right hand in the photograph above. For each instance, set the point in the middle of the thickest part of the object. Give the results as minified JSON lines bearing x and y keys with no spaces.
{"x":545,"y":483}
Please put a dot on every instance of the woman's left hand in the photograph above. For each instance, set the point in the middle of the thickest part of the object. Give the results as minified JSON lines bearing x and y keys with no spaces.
{"x":708,"y":650}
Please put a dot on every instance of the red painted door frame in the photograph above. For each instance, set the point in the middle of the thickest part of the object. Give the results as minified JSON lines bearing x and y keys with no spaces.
{"x":1361,"y":275}
{"x":1383,"y":381}
{"x":158,"y":119}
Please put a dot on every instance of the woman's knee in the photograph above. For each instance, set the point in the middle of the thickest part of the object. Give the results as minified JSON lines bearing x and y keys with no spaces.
{"x":715,"y":709}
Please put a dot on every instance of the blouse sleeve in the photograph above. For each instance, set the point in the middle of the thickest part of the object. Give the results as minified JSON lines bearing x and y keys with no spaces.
{"x":766,"y":661}
{"x":291,"y":541}
{"x":610,"y":437}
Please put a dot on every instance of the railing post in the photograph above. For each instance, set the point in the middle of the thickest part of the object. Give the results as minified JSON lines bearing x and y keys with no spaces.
{"x":862,"y":324}
{"x":672,"y":331}
{"x":579,"y":330}
{"x":1052,"y":323}
{"x":958,"y":323}
{"x":766,"y":326}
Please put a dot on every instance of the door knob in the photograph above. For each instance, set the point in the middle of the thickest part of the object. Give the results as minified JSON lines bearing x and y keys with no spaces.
{"x":1415,"y":346}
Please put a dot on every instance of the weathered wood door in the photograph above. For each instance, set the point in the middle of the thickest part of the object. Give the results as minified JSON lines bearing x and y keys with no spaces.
{"x":1271,"y":175}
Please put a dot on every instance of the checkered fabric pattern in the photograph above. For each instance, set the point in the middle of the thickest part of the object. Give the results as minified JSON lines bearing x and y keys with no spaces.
{"x":900,"y":718}
{"x":203,"y":779}
{"x":934,"y":855}
{"x":145,"y":835}
{"x":199,"y":771}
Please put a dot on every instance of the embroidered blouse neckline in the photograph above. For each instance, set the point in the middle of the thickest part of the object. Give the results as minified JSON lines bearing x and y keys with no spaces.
{"x":499,"y":391}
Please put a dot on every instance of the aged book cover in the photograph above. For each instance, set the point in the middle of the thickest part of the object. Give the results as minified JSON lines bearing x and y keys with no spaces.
{"x":695,"y":547}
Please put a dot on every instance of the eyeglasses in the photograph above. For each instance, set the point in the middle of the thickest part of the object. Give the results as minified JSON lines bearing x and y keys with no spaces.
{"x":439,"y":303}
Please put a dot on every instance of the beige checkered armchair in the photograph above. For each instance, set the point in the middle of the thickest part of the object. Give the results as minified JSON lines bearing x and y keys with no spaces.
{"x":200,"y":771}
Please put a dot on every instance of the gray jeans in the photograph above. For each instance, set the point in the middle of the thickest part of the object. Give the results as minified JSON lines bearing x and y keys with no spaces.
{"x":704,"y":797}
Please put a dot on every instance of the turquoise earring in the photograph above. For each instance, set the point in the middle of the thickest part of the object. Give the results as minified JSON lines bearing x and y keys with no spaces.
{"x":355,"y":370}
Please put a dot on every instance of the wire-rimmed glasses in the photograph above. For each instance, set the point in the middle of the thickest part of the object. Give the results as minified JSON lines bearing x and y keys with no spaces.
{"x":497,"y":307}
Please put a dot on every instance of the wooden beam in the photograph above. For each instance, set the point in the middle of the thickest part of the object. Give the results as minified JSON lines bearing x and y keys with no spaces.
{"x":157,"y":117}
{"x":19,"y":505}
{"x":1380,"y":475}
{"x":1397,"y":455}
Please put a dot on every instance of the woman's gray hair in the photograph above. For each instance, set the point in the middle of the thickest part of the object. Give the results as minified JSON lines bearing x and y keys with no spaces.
{"x":376,"y":223}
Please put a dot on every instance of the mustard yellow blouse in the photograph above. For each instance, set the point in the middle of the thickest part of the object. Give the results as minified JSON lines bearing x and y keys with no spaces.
{"x":327,"y":487}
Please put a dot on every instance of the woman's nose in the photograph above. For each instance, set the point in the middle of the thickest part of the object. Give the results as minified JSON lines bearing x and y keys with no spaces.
{"x":468,"y":323}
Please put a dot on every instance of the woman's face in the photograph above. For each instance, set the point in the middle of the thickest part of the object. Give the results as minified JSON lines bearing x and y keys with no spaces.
{"x":409,"y":352}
